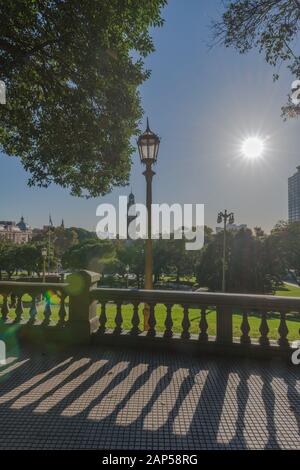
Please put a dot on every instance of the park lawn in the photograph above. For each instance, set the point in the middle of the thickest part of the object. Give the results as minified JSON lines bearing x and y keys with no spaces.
{"x":288,"y":291}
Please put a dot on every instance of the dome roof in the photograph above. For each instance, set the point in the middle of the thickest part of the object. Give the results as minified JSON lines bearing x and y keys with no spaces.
{"x":22,"y":225}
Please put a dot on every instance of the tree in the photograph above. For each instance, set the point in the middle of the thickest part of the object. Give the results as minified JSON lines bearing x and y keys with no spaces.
{"x":285,"y":242}
{"x":161,"y":258}
{"x":209,"y":269}
{"x":83,"y":234}
{"x":179,"y":259}
{"x":269,"y":25}
{"x":63,"y":240}
{"x":259,"y":232}
{"x":72,"y":69}
{"x":8,"y":258}
{"x":252,"y":266}
{"x":91,"y":255}
{"x":132,"y":254}
{"x":28,"y":258}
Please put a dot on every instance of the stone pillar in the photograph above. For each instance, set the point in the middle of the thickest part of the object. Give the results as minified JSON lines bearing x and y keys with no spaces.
{"x":83,"y":320}
{"x":224,"y":325}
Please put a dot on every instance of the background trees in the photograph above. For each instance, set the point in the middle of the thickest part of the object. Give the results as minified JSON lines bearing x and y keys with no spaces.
{"x":256,"y":262}
{"x":251,"y":264}
{"x":72,"y":85}
{"x":91,"y":255}
{"x":25,"y":257}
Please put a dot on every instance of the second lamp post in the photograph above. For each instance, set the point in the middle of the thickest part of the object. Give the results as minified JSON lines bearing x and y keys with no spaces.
{"x":148,"y":145}
{"x":44,"y":256}
{"x":230,"y":217}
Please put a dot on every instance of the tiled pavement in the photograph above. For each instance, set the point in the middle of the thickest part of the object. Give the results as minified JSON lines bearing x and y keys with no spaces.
{"x":111,"y":399}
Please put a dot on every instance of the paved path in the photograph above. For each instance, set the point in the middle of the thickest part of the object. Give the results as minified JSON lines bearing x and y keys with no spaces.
{"x":101,"y":398}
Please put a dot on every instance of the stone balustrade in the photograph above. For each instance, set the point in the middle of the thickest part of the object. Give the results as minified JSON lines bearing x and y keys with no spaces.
{"x":77,"y":312}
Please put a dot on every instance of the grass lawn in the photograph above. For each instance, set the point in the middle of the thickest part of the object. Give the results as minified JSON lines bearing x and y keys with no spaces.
{"x":293,"y":320}
{"x":289,"y":291}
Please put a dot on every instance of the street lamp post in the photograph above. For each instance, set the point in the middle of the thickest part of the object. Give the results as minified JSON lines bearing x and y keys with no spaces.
{"x":127,"y":269}
{"x":148,"y":145}
{"x":44,"y":255}
{"x":230,"y":217}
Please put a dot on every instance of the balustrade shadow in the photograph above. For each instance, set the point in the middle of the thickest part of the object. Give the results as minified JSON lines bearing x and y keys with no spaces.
{"x":116,"y":399}
{"x":293,"y":396}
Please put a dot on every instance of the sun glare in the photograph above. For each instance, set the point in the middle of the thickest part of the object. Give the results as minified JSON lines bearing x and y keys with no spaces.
{"x":253,"y":147}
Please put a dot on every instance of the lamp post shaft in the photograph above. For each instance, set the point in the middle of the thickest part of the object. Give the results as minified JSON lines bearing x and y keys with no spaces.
{"x":230,"y":217}
{"x":44,"y":269}
{"x":148,"y":145}
{"x":149,"y":173}
{"x":224,"y":257}
{"x":49,"y":248}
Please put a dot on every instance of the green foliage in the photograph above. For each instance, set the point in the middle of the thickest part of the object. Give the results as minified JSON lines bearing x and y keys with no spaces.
{"x":285,"y":243}
{"x":252,"y":266}
{"x":92,"y":255}
{"x":72,"y":71}
{"x":25,"y":257}
{"x":209,"y":269}
{"x":7,"y":257}
{"x":63,"y":240}
{"x":28,"y":258}
{"x":271,"y":26}
{"x":256,"y":262}
{"x":131,"y":254}
{"x":83,"y":234}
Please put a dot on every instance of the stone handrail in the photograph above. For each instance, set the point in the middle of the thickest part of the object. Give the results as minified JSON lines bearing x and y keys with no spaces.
{"x":82,"y":314}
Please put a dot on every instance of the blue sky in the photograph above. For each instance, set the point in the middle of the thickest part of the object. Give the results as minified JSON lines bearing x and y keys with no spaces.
{"x":202,"y":102}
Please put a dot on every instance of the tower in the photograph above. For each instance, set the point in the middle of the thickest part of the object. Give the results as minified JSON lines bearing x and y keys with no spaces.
{"x":294,"y":196}
{"x":130,"y":203}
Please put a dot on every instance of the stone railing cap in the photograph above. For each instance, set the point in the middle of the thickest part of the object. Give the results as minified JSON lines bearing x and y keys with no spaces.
{"x":89,"y":276}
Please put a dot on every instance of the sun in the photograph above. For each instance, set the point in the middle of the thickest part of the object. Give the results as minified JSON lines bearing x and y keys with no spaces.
{"x":253,"y":147}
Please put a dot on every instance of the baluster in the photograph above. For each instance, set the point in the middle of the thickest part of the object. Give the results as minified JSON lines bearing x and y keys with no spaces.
{"x":283,"y":331}
{"x":33,"y":310}
{"x":203,"y":326}
{"x":119,"y":319}
{"x":47,"y":313}
{"x":19,"y":309}
{"x":5,"y":307}
{"x":264,"y":330}
{"x":169,"y":322}
{"x":62,"y":310}
{"x":135,"y":321}
{"x":13,"y":299}
{"x":152,"y":320}
{"x":245,"y":329}
{"x":103,"y":318}
{"x":185,"y":323}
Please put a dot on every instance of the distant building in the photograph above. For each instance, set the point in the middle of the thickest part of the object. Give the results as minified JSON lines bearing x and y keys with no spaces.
{"x":294,"y":196}
{"x":232,"y":228}
{"x":16,"y":233}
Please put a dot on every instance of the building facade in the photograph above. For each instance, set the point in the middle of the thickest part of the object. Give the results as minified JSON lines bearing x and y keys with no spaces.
{"x":16,"y":233}
{"x":232,"y":228}
{"x":294,"y":196}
